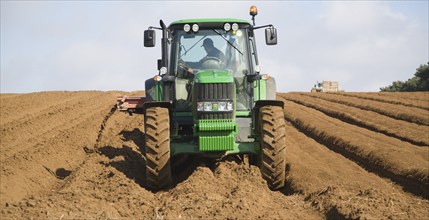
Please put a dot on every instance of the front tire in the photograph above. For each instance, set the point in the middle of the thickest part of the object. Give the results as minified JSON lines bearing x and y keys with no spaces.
{"x":157,"y":148}
{"x":273,"y":146}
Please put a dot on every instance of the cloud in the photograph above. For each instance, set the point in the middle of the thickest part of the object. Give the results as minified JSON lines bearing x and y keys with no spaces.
{"x":98,"y":45}
{"x":350,"y":42}
{"x":84,"y":45}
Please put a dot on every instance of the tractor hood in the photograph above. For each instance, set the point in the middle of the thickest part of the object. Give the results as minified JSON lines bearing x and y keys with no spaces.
{"x":214,"y":76}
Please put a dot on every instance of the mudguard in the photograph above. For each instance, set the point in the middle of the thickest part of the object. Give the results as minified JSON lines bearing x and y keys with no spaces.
{"x":258,"y":105}
{"x":271,"y":88}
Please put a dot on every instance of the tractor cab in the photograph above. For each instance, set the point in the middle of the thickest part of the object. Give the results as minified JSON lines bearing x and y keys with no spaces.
{"x":214,"y":47}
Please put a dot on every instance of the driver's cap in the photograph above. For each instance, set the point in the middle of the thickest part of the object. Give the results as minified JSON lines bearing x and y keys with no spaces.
{"x":208,"y":42}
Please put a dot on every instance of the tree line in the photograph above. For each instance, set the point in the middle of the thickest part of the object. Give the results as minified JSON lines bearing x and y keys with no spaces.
{"x":420,"y":82}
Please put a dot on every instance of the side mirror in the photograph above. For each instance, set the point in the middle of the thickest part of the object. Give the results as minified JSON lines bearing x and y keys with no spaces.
{"x":149,"y":38}
{"x":271,"y":36}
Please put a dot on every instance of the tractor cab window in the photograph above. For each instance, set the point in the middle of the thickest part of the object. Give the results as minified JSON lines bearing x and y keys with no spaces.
{"x":212,"y":49}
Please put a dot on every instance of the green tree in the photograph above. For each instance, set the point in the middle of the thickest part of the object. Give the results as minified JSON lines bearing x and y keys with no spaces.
{"x":423,"y":75}
{"x":420,"y":82}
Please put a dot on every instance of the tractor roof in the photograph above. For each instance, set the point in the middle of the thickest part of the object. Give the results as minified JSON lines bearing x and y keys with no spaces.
{"x":210,"y":20}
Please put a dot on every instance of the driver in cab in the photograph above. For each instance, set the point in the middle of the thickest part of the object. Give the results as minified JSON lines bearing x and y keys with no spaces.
{"x":211,"y":50}
{"x":214,"y":55}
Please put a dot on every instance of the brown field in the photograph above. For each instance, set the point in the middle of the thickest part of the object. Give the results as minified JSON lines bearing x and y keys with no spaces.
{"x":349,"y":155}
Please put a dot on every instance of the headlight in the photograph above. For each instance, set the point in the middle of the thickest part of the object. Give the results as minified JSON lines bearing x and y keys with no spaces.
{"x":229,"y":106}
{"x":222,"y":106}
{"x":239,"y":33}
{"x":208,"y":106}
{"x":195,"y":28}
{"x":234,"y":26}
{"x":215,"y":106}
{"x":227,"y":26}
{"x":186,"y":27}
{"x":163,"y":70}
{"x":200,"y":106}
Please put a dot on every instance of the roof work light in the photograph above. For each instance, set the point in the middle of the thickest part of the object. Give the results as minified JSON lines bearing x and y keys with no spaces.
{"x":195,"y":27}
{"x":227,"y":26}
{"x":186,"y":27}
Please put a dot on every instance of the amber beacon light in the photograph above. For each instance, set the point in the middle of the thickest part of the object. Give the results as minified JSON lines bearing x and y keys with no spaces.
{"x":253,"y":13}
{"x":253,"y":10}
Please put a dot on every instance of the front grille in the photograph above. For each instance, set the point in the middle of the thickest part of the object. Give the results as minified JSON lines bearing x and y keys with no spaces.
{"x":214,"y":91}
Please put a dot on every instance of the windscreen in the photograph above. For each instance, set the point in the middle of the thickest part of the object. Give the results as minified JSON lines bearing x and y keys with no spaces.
{"x":214,"y":49}
{"x":230,"y":48}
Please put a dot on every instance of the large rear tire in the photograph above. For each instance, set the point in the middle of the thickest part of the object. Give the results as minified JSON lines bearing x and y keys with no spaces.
{"x":273,"y":146}
{"x":157,"y":148}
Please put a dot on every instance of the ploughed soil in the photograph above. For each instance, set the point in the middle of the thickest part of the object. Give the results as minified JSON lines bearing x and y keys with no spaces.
{"x":349,"y":155}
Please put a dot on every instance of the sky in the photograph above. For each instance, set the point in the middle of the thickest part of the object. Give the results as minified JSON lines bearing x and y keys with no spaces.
{"x":98,"y":45}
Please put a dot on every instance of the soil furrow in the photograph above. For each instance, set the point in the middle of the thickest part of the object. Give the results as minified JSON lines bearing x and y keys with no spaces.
{"x":417,"y":96}
{"x":375,"y":97}
{"x":405,"y":131}
{"x":25,"y":106}
{"x":414,"y":115}
{"x":86,"y":161}
{"x":20,"y":135}
{"x":111,"y":185}
{"x":382,"y":155}
{"x":340,"y":188}
{"x":40,"y":166}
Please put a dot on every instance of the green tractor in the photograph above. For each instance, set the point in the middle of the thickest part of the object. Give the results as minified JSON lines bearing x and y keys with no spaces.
{"x":210,"y":99}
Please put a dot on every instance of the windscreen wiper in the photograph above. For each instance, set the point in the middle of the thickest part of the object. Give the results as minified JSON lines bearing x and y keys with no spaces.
{"x":217,"y":32}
